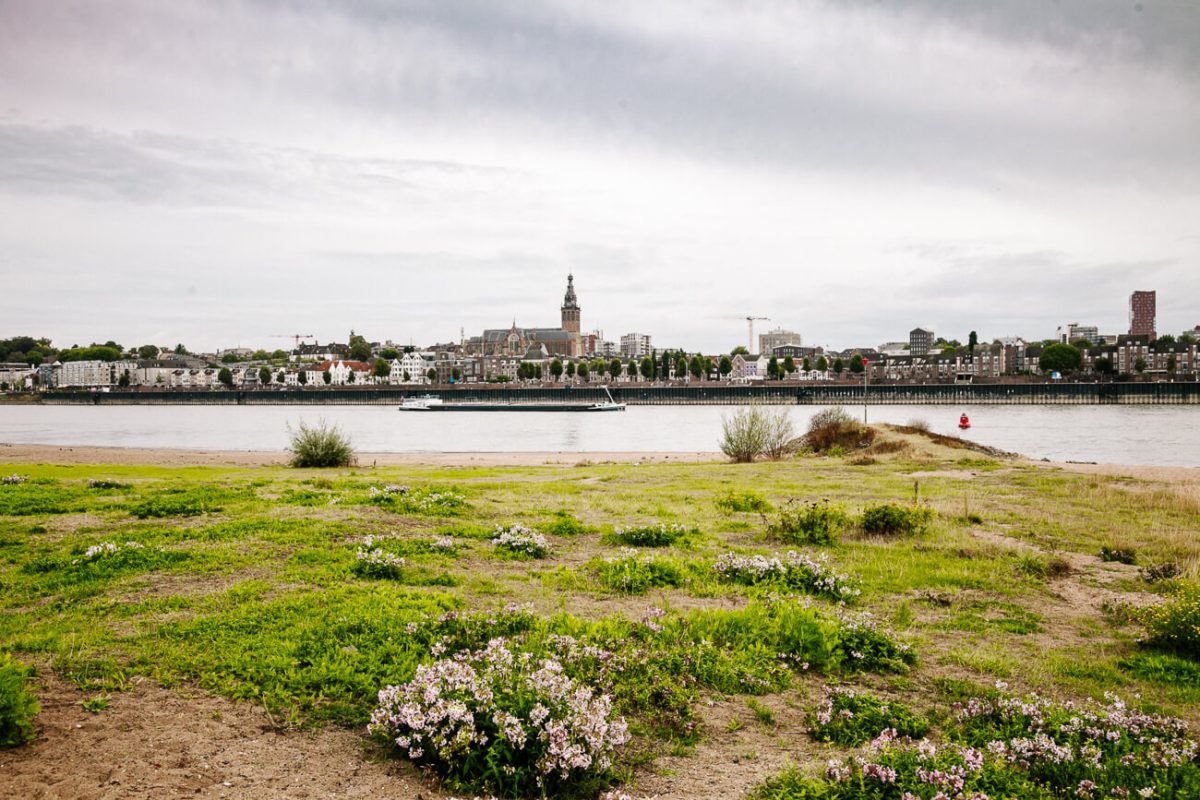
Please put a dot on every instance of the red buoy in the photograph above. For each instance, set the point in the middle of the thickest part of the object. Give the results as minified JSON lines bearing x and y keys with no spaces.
{"x":964,"y":422}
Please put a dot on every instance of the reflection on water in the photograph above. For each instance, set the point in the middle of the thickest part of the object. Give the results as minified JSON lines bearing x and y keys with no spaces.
{"x":1167,"y":435}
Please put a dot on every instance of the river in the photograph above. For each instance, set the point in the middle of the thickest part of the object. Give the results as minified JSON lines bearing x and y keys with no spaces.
{"x":1156,"y":435}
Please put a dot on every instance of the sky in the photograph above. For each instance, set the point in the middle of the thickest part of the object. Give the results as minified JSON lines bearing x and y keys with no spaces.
{"x":224,"y":174}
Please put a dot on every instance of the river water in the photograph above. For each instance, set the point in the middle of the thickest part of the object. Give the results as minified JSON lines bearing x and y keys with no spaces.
{"x":1158,"y":435}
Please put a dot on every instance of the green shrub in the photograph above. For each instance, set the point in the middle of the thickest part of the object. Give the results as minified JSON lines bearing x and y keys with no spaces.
{"x":1163,"y":571}
{"x":631,"y":572}
{"x":1175,"y":624}
{"x":659,"y":535}
{"x":890,"y":519}
{"x":18,"y":706}
{"x":809,"y":523}
{"x":848,"y":718}
{"x":564,"y":524}
{"x":320,"y":445}
{"x":735,"y":502}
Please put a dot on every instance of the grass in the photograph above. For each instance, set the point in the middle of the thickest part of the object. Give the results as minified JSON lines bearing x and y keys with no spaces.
{"x":244,"y":583}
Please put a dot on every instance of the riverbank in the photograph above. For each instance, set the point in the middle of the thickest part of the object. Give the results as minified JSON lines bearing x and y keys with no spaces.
{"x":243,"y":583}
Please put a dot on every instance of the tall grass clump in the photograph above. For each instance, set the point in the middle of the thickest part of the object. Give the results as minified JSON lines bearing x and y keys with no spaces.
{"x":18,"y":706}
{"x":320,"y":445}
{"x":754,"y":431}
{"x":834,"y":429}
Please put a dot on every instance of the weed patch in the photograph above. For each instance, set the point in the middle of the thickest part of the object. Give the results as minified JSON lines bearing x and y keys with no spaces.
{"x":850,"y":718}
{"x":808,"y":523}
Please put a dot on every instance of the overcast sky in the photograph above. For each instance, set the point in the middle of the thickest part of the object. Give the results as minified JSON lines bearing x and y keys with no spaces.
{"x":220,"y":173}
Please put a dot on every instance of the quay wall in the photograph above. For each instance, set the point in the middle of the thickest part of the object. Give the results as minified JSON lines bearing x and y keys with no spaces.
{"x":696,"y":394}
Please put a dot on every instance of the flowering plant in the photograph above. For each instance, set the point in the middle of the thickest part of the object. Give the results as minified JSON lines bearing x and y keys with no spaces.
{"x":849,"y":718}
{"x":503,"y":721}
{"x":633,"y":573}
{"x":375,"y":562}
{"x":434,"y":502}
{"x":521,"y":541}
{"x":13,"y":480}
{"x":794,"y":570}
{"x":107,"y":550}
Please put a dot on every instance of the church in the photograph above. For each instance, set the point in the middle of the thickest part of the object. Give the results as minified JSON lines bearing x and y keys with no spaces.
{"x":561,"y":342}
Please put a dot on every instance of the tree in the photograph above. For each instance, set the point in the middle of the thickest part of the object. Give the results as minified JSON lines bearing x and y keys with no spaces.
{"x":1187,"y":338}
{"x":390,"y":353}
{"x":1104,"y":366}
{"x":456,"y":374}
{"x":431,"y":375}
{"x":681,"y":366}
{"x":279,"y":355}
{"x":328,"y":378}
{"x":302,"y":377}
{"x":583,"y":370}
{"x":556,"y":369}
{"x":1172,"y":362}
{"x":281,"y":376}
{"x":350,"y":376}
{"x":647,"y":367}
{"x":739,"y":351}
{"x":180,"y":350}
{"x":807,"y":365}
{"x":225,"y":377}
{"x":147,"y":352}
{"x":614,"y":369}
{"x":631,"y":370}
{"x":264,"y":375}
{"x":666,"y":365}
{"x":856,"y":363}
{"x":1140,"y":365}
{"x":537,"y":371}
{"x":789,"y":365}
{"x":360,"y":349}
{"x":382,"y":368}
{"x":123,"y":381}
{"x":773,"y":368}
{"x":838,"y":366}
{"x":1061,"y":358}
{"x":972,"y":340}
{"x":696,"y":367}
{"x":261,"y":355}
{"x":725,"y":366}
{"x":822,"y":364}
{"x":570,"y":369}
{"x":406,"y":376}
{"x":230,"y":358}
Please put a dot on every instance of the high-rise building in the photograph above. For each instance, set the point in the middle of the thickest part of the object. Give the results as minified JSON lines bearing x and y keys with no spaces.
{"x":920,"y":341}
{"x":635,"y":345}
{"x":570,"y":316}
{"x":1074,"y":332}
{"x":772,"y":339}
{"x":1142,"y":312}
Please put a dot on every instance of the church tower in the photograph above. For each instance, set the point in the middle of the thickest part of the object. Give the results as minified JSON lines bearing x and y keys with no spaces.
{"x":570,"y":317}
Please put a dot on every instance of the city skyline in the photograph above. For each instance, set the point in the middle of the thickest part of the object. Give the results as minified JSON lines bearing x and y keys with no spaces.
{"x":222,"y":173}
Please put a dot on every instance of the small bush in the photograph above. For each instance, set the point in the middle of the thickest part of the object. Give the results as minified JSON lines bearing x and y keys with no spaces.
{"x":18,"y":706}
{"x":1044,"y":568}
{"x":809,"y":523}
{"x":499,"y":720}
{"x":632,"y":572}
{"x":101,"y":483}
{"x":755,"y":431}
{"x":919,"y":425}
{"x":1175,"y":624}
{"x":890,"y":519}
{"x":849,"y":719}
{"x":320,"y":445}
{"x":736,"y":502}
{"x":1164,"y":571}
{"x":834,"y":429}
{"x":659,"y":535}
{"x":1122,"y":555}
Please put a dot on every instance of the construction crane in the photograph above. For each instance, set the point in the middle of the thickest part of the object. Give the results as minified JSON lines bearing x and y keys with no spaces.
{"x":750,"y":320}
{"x":296,"y":336}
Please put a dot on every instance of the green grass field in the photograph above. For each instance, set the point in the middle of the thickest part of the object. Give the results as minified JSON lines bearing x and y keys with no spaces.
{"x":258,"y":584}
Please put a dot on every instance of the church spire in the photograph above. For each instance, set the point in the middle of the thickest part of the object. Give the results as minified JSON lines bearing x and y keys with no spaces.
{"x":569,"y":300}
